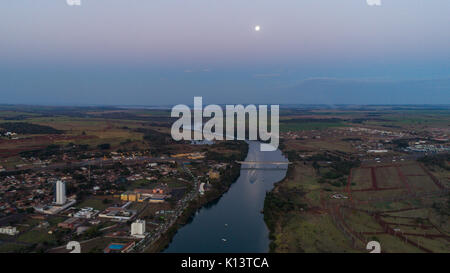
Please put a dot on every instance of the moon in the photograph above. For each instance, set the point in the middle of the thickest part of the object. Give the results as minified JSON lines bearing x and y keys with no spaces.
{"x":257,"y":28}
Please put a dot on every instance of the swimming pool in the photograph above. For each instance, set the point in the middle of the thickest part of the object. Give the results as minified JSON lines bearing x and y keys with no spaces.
{"x":115,"y":246}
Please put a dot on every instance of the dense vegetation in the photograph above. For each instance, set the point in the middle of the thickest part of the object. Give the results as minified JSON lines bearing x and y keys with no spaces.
{"x":28,"y":128}
{"x":279,"y":203}
{"x":324,"y":157}
{"x":443,"y":209}
{"x":54,"y":150}
{"x":154,"y":137}
{"x":44,"y":153}
{"x":400,"y":143}
{"x":440,"y":160}
{"x":352,"y":139}
{"x":104,"y":146}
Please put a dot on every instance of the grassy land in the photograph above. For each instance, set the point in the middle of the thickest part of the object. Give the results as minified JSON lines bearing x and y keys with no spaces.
{"x":11,"y":247}
{"x":36,"y":236}
{"x":299,"y":211}
{"x":301,"y":126}
{"x":94,"y":202}
{"x":310,"y":233}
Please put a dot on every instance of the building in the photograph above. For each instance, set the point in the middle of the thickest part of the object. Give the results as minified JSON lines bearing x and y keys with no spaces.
{"x":117,"y":213}
{"x":193,"y":156}
{"x":149,"y":192}
{"x":138,"y":228}
{"x":129,"y":196}
{"x":81,"y":229}
{"x":202,"y":142}
{"x":47,"y":209}
{"x":71,"y":223}
{"x":9,"y":230}
{"x":87,"y":213}
{"x":60,"y":192}
{"x":140,"y":195}
{"x":213,"y":174}
{"x":157,"y":198}
{"x":201,"y":189}
{"x":377,"y":151}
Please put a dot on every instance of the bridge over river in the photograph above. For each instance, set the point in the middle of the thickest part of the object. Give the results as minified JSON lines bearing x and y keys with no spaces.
{"x":264,"y":165}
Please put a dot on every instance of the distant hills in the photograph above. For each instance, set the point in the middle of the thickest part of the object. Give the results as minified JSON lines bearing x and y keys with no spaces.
{"x":344,"y":91}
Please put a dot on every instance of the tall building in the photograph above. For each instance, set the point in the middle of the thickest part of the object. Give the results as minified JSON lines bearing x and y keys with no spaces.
{"x":60,"y":192}
{"x":138,"y":228}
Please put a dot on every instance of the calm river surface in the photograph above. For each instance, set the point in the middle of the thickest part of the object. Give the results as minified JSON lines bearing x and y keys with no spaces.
{"x":234,"y":223}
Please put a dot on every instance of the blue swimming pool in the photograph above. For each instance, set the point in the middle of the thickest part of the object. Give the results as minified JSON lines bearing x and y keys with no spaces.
{"x":115,"y":246}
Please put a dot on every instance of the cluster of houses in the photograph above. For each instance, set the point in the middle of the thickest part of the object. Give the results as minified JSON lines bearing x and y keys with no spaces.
{"x":24,"y":191}
{"x":10,"y":135}
{"x":424,"y":147}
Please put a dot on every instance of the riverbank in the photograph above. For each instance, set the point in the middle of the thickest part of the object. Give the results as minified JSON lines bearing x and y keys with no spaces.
{"x":210,"y":197}
{"x":297,"y":216}
{"x":235,"y":224}
{"x":296,"y":210}
{"x":273,"y":205}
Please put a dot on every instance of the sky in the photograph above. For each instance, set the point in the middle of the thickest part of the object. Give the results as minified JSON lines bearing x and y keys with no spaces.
{"x":138,"y":52}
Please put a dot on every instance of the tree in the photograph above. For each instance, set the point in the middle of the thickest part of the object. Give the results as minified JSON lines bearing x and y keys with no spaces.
{"x":104,"y":146}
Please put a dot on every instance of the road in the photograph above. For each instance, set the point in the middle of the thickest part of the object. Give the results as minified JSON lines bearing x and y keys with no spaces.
{"x":143,"y":244}
{"x":97,"y":161}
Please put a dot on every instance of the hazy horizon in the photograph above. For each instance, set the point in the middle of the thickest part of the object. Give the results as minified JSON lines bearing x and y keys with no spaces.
{"x":116,"y":52}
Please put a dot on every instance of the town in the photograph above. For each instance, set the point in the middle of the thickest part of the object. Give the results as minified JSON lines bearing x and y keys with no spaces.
{"x":117,"y":185}
{"x":110,"y":200}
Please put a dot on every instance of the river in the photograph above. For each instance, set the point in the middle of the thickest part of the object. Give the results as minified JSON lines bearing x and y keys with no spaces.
{"x":234,"y":223}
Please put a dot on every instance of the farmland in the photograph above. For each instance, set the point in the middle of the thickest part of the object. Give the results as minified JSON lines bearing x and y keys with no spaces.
{"x":397,"y":198}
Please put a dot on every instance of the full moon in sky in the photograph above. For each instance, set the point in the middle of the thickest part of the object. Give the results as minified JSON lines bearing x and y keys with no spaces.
{"x":257,"y":28}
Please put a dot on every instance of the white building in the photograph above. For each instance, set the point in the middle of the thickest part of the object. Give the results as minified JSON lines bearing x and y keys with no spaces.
{"x":377,"y":151}
{"x":201,"y":189}
{"x":60,"y":192}
{"x":138,"y":228}
{"x":10,"y":134}
{"x":87,"y":213}
{"x":9,"y":230}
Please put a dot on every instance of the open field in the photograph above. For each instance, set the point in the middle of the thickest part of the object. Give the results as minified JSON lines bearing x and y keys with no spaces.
{"x":389,"y":197}
{"x":308,"y":126}
{"x":361,"y":179}
{"x":315,"y":234}
{"x":94,"y":202}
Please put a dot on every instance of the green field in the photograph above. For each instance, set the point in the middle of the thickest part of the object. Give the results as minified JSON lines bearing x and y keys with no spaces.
{"x":95,"y":203}
{"x":285,"y":127}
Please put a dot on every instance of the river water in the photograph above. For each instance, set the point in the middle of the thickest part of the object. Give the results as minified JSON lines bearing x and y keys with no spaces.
{"x":234,"y":223}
